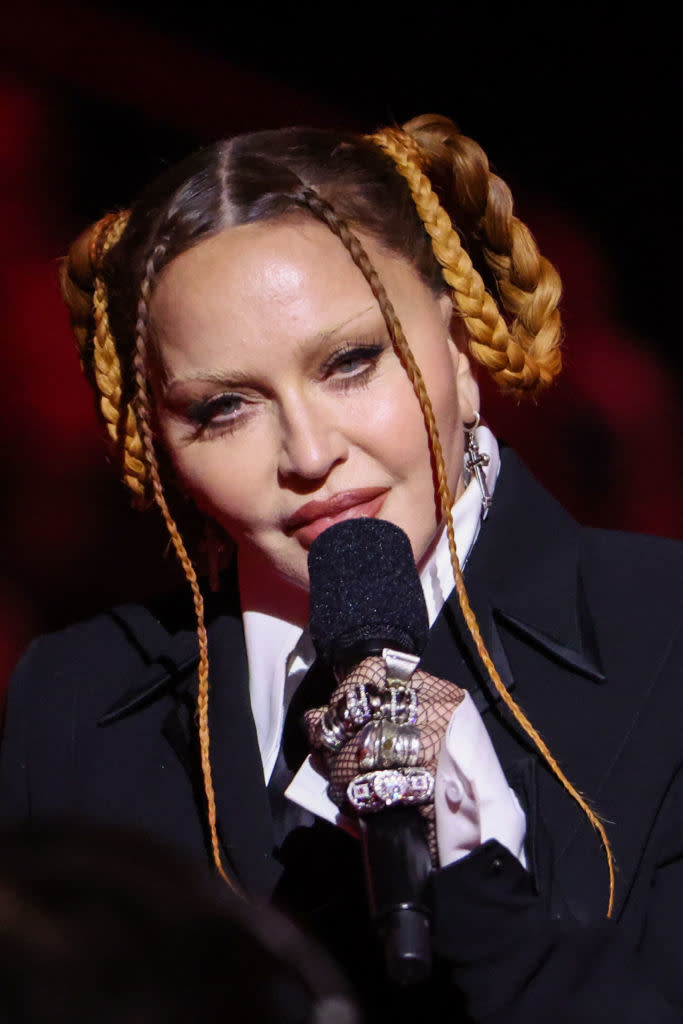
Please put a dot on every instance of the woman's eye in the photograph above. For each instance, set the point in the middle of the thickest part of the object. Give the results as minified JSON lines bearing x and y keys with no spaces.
{"x":354,"y":363}
{"x":217,"y":413}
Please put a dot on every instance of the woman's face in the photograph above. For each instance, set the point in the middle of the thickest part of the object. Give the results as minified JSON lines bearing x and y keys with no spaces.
{"x":281,"y":400}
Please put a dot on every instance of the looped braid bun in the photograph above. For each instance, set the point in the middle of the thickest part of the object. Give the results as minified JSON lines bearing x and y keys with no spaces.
{"x":434,"y":157}
{"x":85,"y":291}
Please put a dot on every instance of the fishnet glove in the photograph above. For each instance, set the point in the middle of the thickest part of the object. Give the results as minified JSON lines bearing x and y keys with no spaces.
{"x":437,"y":699}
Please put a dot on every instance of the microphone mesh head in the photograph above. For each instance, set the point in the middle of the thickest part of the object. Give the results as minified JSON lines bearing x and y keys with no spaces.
{"x":365,"y":587}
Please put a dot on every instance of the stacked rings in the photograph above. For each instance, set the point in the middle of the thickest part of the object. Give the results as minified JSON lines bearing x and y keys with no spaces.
{"x":384,"y":744}
{"x":362,"y":704}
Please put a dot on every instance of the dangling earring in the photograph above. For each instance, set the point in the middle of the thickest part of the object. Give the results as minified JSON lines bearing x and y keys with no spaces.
{"x":475,"y":462}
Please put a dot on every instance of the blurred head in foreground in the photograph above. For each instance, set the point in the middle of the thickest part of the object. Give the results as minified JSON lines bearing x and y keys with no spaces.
{"x":106,"y":925}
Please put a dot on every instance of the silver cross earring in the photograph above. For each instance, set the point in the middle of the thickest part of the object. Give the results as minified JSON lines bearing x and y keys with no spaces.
{"x":475,"y":462}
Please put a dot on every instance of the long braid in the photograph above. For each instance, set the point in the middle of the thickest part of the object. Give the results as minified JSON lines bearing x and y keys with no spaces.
{"x":323,"y":211}
{"x":143,"y":417}
{"x":521,"y":718}
{"x":443,"y":239}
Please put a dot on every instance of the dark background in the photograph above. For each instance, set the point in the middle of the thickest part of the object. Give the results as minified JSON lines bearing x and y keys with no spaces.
{"x":578,"y":111}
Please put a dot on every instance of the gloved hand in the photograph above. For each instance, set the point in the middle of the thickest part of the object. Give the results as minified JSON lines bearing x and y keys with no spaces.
{"x":370,"y":726}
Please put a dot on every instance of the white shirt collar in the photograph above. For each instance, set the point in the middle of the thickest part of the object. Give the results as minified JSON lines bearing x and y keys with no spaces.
{"x":280,"y":653}
{"x":437,"y":576}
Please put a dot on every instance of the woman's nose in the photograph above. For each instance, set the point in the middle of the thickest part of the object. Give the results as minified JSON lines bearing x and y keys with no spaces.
{"x":312,"y":443}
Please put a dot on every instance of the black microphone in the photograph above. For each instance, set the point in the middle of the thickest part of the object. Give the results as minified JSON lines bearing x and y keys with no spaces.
{"x":366,"y":595}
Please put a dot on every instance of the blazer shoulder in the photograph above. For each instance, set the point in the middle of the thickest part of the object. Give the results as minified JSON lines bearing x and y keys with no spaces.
{"x":632,"y":585}
{"x":114,"y":645}
{"x":105,"y":656}
{"x":633,"y":567}
{"x":98,"y":652}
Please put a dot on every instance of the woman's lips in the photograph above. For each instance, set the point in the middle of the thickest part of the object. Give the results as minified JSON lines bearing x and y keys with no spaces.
{"x":309,"y":521}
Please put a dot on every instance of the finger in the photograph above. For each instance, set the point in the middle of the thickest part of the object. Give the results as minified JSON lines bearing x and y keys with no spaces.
{"x":312,"y":720}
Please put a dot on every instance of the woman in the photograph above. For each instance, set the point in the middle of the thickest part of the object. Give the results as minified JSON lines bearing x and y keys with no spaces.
{"x":282,"y":333}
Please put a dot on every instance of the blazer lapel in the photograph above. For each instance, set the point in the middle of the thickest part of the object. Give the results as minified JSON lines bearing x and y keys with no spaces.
{"x":244,"y":822}
{"x":244,"y":818}
{"x":524,"y":585}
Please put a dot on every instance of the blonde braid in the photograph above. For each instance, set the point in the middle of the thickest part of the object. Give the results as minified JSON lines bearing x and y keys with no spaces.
{"x":529,"y":285}
{"x":361,"y":259}
{"x":519,"y":715}
{"x":322,"y":209}
{"x":487,"y":330}
{"x":516,"y":359}
{"x":85,"y":291}
{"x":144,"y":419}
{"x":121,"y":422}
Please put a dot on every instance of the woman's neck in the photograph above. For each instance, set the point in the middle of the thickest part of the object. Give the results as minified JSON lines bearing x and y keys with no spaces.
{"x":264,"y":590}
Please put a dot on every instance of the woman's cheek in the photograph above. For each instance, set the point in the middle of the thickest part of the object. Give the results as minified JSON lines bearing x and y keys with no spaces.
{"x":391,"y":409}
{"x":196,"y":473}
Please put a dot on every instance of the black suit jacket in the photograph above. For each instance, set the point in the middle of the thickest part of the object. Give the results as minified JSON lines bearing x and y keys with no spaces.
{"x":584,"y":626}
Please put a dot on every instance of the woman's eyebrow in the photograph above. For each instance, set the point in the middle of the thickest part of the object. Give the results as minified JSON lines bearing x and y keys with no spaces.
{"x":331,"y":331}
{"x":227,"y":378}
{"x":222,"y":378}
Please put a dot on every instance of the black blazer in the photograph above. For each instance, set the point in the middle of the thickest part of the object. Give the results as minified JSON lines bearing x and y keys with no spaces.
{"x":584,"y":626}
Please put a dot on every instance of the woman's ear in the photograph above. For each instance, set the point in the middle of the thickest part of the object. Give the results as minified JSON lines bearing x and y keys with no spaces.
{"x":466,"y":384}
{"x":468,"y":389}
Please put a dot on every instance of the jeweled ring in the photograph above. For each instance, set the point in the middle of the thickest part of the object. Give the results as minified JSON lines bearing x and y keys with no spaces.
{"x":358,"y":710}
{"x":384,"y":744}
{"x":347,"y":714}
{"x":399,"y":705}
{"x":376,"y":790}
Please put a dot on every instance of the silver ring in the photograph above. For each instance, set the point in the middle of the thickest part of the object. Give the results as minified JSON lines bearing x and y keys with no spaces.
{"x":357,"y":705}
{"x":384,"y":744}
{"x":399,"y":705}
{"x":376,"y":790}
{"x":332,"y":732}
{"x":347,"y":714}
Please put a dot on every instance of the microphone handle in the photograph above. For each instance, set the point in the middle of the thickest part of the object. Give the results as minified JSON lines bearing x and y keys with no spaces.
{"x":397,"y":861}
{"x":397,"y":867}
